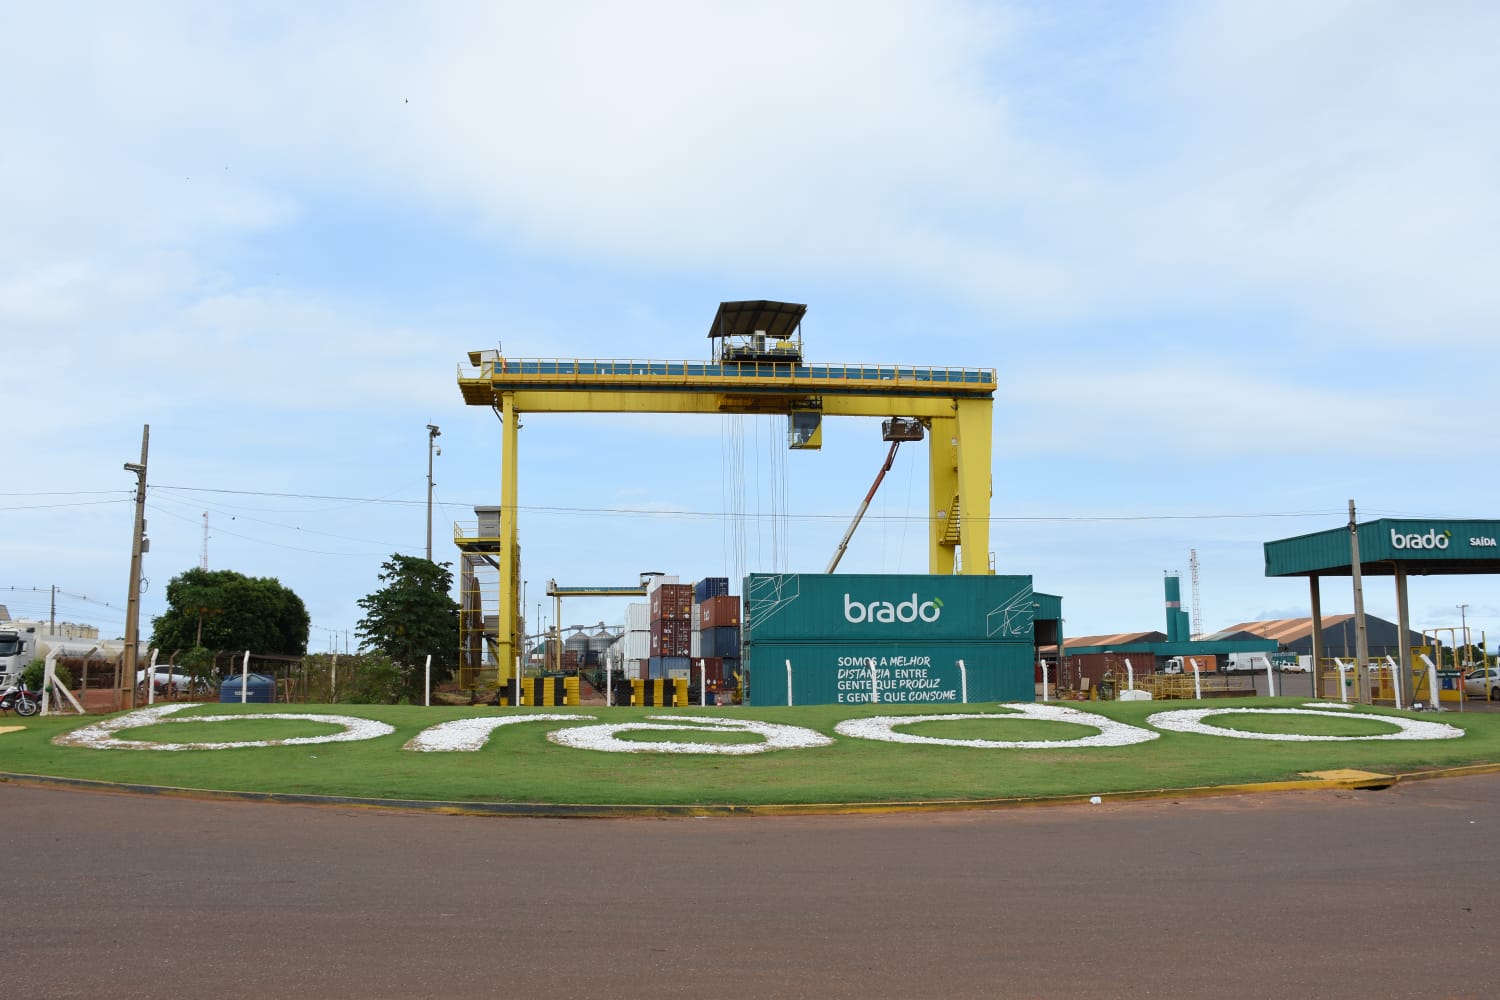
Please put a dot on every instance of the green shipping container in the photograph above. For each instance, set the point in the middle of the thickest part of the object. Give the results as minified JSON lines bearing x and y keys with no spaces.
{"x":805,"y":606}
{"x":904,"y":673}
{"x":912,"y":630}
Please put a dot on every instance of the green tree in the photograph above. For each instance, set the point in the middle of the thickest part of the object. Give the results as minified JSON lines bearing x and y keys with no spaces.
{"x":222,"y":609}
{"x":413,"y":616}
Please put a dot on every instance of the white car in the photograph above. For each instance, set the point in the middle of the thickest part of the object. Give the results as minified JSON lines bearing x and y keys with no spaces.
{"x":1483,"y":682}
{"x":167,"y":676}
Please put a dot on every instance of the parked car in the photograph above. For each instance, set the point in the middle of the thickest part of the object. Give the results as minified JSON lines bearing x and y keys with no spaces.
{"x":176,"y":678}
{"x":1483,"y":682}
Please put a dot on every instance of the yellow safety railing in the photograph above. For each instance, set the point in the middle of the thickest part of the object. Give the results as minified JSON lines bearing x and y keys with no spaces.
{"x":580,"y":370}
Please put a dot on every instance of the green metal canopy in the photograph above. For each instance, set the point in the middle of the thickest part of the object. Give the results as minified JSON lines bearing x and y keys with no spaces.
{"x":1395,"y":547}
{"x":1425,"y":548}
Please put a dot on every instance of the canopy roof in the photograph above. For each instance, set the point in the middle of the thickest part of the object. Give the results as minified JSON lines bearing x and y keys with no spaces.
{"x":777,"y":320}
{"x":1428,"y":547}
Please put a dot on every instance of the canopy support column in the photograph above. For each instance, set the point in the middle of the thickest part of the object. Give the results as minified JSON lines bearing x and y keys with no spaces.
{"x":1403,"y":625}
{"x":1317,"y":632}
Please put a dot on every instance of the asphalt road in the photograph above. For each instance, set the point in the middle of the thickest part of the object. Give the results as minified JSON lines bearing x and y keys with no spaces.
{"x":1317,"y":894}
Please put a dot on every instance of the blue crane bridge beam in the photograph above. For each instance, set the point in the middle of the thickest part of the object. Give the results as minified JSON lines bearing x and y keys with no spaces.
{"x":504,"y":374}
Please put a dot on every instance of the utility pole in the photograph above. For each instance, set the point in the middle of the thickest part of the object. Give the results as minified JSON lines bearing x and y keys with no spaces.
{"x":52,"y":618}
{"x":138,"y":545}
{"x":432,"y":435}
{"x":1361,"y":638}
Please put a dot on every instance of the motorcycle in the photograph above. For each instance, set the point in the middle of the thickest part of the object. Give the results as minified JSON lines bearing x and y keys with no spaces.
{"x":23,"y":702}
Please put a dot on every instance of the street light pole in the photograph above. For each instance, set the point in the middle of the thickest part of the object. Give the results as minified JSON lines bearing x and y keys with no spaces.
{"x":432,"y":436}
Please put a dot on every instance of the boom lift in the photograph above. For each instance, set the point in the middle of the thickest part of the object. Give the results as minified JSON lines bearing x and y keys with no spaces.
{"x":895,"y":430}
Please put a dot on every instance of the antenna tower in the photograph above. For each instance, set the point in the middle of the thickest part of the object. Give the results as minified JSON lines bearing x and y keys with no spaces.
{"x":203,"y":563}
{"x":1197,"y":611}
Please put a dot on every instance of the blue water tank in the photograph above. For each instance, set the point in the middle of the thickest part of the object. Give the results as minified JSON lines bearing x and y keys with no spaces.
{"x":259,"y":689}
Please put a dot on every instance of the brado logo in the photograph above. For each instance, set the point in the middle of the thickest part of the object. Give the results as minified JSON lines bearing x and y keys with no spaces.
{"x":856,"y":612}
{"x":1432,"y":540}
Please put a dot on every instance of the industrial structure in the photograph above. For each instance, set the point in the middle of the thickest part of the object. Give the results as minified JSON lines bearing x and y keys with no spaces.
{"x":1390,"y":547}
{"x":756,"y":367}
{"x":1089,"y":658}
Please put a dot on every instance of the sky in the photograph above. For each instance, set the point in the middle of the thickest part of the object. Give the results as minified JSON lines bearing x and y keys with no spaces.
{"x":1234,"y":264}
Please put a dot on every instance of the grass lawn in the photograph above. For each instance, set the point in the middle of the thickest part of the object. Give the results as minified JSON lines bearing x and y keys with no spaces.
{"x":519,"y":764}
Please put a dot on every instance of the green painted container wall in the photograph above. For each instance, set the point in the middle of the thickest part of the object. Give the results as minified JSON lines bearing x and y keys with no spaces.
{"x":872,"y":607}
{"x":1047,"y":605}
{"x":916,"y":629}
{"x":907,"y":673}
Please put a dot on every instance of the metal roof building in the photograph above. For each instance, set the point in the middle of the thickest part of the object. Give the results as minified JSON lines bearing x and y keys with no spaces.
{"x":1294,"y":635}
{"x":1157,"y":644}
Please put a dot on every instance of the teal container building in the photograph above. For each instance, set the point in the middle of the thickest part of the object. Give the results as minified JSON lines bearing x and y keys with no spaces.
{"x":858,"y":638}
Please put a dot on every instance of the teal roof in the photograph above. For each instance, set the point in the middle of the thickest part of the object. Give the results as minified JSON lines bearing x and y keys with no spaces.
{"x":1422,"y":547}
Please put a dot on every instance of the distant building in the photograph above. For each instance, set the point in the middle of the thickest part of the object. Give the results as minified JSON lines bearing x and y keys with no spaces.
{"x":1294,"y":635}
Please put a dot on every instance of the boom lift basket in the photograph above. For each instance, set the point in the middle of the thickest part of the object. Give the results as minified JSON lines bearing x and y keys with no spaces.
{"x":901,"y":429}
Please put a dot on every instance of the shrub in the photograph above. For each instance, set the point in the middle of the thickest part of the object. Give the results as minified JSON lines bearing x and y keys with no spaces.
{"x":358,"y":678}
{"x":32,"y":676}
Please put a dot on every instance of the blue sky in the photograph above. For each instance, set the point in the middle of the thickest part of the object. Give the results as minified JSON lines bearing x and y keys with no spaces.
{"x":1234,"y":264}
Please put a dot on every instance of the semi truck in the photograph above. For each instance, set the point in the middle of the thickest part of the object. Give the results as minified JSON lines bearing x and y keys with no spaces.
{"x":22,"y":642}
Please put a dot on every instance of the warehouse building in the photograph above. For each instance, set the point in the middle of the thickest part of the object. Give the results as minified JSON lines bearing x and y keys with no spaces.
{"x":1294,"y":635}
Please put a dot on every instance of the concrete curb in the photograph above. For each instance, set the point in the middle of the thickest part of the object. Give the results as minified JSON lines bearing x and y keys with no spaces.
{"x":604,"y":811}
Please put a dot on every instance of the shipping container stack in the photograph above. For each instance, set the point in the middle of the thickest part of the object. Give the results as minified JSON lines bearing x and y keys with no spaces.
{"x":635,"y":643}
{"x":716,"y":635}
{"x":671,"y":610}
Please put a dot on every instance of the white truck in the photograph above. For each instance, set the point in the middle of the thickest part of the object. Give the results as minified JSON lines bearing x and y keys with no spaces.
{"x":1287,"y":662}
{"x":18,"y":647}
{"x":24,"y":641}
{"x":1247,"y":661}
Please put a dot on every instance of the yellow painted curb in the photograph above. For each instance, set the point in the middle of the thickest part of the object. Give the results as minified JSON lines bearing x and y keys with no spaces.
{"x":1364,"y":780}
{"x":1345,"y":774}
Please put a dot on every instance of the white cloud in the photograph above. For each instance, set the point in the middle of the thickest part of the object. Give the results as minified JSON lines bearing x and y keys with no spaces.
{"x":1334,"y":155}
{"x":1226,"y":409}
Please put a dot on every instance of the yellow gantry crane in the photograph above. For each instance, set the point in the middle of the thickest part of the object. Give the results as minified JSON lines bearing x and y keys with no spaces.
{"x":756,"y":368}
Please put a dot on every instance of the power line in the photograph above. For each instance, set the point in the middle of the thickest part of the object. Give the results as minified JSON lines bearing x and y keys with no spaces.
{"x":296,"y":496}
{"x":75,"y":503}
{"x":679,"y":512}
{"x":125,"y":495}
{"x":64,"y":493}
{"x":273,"y":524}
{"x":61,"y":593}
{"x":263,"y":541}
